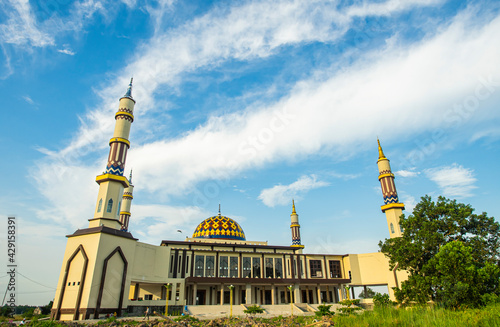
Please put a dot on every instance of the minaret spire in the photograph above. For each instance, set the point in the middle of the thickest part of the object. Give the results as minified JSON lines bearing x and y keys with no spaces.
{"x":392,"y":208}
{"x":112,"y":182}
{"x":219,"y":209}
{"x":128,"y":94}
{"x":128,"y":196}
{"x":380,"y":152}
{"x":295,"y":227}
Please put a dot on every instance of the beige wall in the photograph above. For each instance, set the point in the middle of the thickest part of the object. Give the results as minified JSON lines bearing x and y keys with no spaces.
{"x":373,"y":269}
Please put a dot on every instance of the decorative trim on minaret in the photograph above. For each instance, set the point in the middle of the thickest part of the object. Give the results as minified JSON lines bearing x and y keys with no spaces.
{"x":128,"y":196}
{"x":112,"y":182}
{"x":386,"y":178}
{"x":295,"y":227}
{"x":120,"y":145}
{"x":392,"y":207}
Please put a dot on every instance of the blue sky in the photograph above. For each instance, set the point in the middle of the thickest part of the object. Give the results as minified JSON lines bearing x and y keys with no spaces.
{"x":248,"y":104}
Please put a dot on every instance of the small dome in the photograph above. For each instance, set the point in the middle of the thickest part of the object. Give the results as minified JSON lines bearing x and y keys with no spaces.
{"x":219,"y":227}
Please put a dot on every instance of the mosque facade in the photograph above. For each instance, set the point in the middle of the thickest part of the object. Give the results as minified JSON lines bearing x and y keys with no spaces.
{"x":106,"y":270}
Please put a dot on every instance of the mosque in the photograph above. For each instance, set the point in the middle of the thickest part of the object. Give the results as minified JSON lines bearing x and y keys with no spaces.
{"x":106,"y":270}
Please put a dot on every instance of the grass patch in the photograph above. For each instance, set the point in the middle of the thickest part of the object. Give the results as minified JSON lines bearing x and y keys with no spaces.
{"x":418,"y":316}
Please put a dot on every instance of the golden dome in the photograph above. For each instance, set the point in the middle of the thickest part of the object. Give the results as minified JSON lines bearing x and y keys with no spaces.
{"x":219,"y":227}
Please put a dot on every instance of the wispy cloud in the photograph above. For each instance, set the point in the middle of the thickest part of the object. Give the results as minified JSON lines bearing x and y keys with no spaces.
{"x":156,"y":222}
{"x":67,"y":51}
{"x":21,"y":27}
{"x":29,"y":100}
{"x":334,"y":110}
{"x":454,"y":180}
{"x":407,"y":173}
{"x":283,"y":194}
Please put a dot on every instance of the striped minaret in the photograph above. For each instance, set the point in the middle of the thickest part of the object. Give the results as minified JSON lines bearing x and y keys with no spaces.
{"x":126,"y":203}
{"x":112,"y":182}
{"x":392,"y":208}
{"x":295,"y":227}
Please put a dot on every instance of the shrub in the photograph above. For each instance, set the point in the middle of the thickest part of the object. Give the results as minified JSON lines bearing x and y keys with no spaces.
{"x":351,"y":306}
{"x":253,"y":309}
{"x":324,"y":310}
{"x":382,"y":300}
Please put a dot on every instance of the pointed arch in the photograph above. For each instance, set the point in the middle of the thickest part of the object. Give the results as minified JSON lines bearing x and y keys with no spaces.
{"x":99,"y":207}
{"x":65,"y":279}
{"x":110,"y":205}
{"x":103,"y":279}
{"x":392,"y":228}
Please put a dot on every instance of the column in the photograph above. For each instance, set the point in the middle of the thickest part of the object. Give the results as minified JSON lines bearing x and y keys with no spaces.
{"x":296,"y":294}
{"x":249,"y":299}
{"x":213,"y":289}
{"x":136,"y":291}
{"x":182,"y":296}
{"x":307,"y":295}
{"x":273,"y":294}
{"x":195,"y":291}
{"x":328,"y":297}
{"x":236,"y":294}
{"x":319,"y":295}
{"x":222,"y":294}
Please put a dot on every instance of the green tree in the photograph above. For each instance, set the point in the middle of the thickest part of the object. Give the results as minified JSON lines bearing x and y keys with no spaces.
{"x":47,"y":308}
{"x":430,"y":227}
{"x":459,"y":281}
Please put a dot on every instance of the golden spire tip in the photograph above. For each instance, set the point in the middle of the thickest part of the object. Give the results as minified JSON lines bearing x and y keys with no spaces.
{"x":380,"y":152}
{"x":293,"y":207}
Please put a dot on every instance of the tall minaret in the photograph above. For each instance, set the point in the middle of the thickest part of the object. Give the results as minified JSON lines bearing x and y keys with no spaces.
{"x":112,"y":182}
{"x":126,"y":202}
{"x":392,"y":208}
{"x":295,"y":227}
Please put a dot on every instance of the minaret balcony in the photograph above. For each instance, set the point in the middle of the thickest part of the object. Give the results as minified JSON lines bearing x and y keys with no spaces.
{"x":110,"y":177}
{"x":393,"y":206}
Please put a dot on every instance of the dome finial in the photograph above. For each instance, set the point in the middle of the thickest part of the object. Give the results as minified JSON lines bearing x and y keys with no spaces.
{"x":219,"y":209}
{"x":128,"y":94}
{"x":293,"y":207}
{"x":130,"y":178}
{"x":380,"y":152}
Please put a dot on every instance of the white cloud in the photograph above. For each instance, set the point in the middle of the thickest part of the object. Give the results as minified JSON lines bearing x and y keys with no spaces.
{"x":333,"y":111}
{"x":21,"y":26}
{"x":67,"y":51}
{"x":406,"y":173}
{"x":454,"y":180}
{"x":283,"y":194}
{"x":486,"y":134}
{"x":29,"y":100}
{"x":159,"y":222}
{"x":409,"y":201}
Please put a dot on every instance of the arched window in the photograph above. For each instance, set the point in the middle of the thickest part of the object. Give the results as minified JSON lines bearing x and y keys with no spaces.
{"x":402,"y":230}
{"x":99,"y":207}
{"x":392,"y":228}
{"x":110,"y":206}
{"x":118,"y":210}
